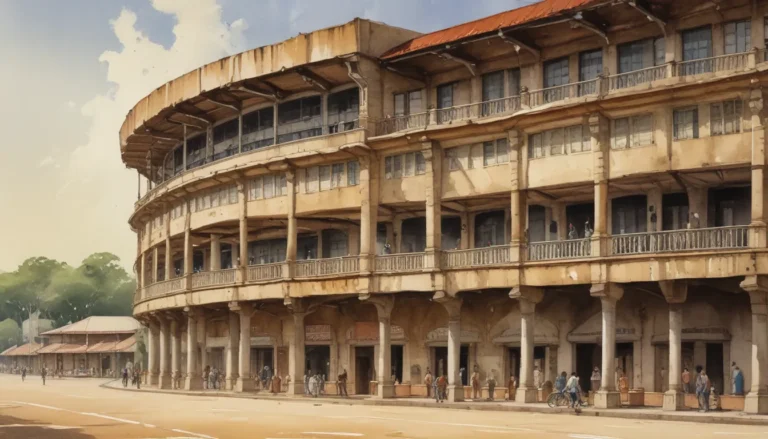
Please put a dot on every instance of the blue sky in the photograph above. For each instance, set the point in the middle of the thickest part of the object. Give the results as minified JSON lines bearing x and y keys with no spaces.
{"x":71,"y":70}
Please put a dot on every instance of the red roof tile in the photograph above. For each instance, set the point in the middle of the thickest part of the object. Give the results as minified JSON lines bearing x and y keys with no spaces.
{"x":25,"y":349}
{"x":63,"y":348}
{"x":515,"y":17}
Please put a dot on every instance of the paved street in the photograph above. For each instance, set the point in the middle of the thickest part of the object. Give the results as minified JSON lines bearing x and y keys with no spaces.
{"x":79,"y":409}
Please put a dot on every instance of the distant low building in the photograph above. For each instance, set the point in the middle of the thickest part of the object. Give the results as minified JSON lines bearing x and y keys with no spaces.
{"x":96,"y":346}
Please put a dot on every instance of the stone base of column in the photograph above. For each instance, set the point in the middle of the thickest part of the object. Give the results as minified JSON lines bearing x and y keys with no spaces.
{"x":165,"y":382}
{"x":386,"y":390}
{"x":673,"y":401}
{"x":455,"y":393}
{"x":756,"y":403}
{"x":527,"y":395}
{"x":154,"y":378}
{"x":295,"y":388}
{"x":229,"y":383}
{"x":605,"y":399}
{"x":244,"y":385}
{"x":193,"y":383}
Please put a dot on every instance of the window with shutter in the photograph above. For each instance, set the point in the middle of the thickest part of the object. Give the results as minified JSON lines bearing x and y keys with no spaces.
{"x":325,"y":178}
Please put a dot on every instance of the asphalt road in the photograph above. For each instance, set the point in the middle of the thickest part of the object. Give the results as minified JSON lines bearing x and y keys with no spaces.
{"x":79,"y":409}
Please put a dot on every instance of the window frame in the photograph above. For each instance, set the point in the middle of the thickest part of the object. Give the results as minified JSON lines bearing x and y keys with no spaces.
{"x":695,"y":122}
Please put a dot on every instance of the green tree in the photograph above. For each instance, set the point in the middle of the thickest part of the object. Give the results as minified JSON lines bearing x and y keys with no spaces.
{"x":10,"y":334}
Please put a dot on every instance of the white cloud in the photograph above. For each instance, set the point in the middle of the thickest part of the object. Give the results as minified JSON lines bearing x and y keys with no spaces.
{"x":47,"y":161}
{"x":96,"y":176}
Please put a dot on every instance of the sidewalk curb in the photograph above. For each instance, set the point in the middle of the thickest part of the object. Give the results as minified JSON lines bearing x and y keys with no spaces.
{"x":733,"y":420}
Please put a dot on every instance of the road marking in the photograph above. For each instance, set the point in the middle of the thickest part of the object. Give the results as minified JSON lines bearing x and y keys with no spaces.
{"x":330,"y":433}
{"x":52,"y":427}
{"x":193,"y":434}
{"x":126,"y":421}
{"x":38,"y":405}
{"x":588,"y":436}
{"x":622,"y":426}
{"x":728,"y":433}
{"x":150,"y":426}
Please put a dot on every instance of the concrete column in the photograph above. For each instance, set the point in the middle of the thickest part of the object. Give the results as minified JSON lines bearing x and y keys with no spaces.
{"x":232,"y":350}
{"x":153,"y":353}
{"x":202,"y":322}
{"x":215,"y":252}
{"x":206,"y":261}
{"x":188,"y":251}
{"x":292,"y":236}
{"x":194,"y":378}
{"x":320,"y":254}
{"x":676,"y":293}
{"x":609,"y":294}
{"x":758,"y":223}
{"x":143,"y":271}
{"x":164,"y":381}
{"x":397,"y":234}
{"x":518,"y":211}
{"x":175,"y":353}
{"x":464,"y":244}
{"x":756,"y":401}
{"x":169,"y":270}
{"x":369,"y":206}
{"x":235,"y":250}
{"x":528,"y":297}
{"x":155,"y":264}
{"x":184,"y":146}
{"x":243,"y":227}
{"x":453,"y":306}
{"x":599,"y":129}
{"x":244,"y":380}
{"x":384,"y":307}
{"x":433,"y":159}
{"x":654,"y":210}
{"x":296,"y":353}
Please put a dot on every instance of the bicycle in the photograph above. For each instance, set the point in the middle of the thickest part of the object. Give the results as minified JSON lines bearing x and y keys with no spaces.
{"x":558,"y":399}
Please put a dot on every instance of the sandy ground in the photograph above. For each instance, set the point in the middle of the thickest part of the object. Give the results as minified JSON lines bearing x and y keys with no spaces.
{"x":80,"y":409}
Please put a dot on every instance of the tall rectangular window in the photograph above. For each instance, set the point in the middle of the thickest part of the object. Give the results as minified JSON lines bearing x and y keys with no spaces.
{"x":633,"y":131}
{"x":337,"y":175}
{"x":421,"y":165}
{"x":659,"y":51}
{"x":353,"y":173}
{"x":686,"y":123}
{"x":576,"y":139}
{"x":400,"y":105}
{"x":325,"y":178}
{"x":343,"y":110}
{"x":493,"y":86}
{"x":697,"y":44}
{"x":410,"y":165}
{"x":556,"y":72}
{"x":445,"y":96}
{"x":590,"y":64}
{"x":397,"y":166}
{"x":453,"y":159}
{"x":299,"y":119}
{"x":495,"y":152}
{"x":414,"y":102}
{"x":489,"y":154}
{"x":725,"y":117}
{"x":535,"y":146}
{"x":737,"y":36}
{"x":312,"y":179}
{"x":388,"y":167}
{"x":269,"y":186}
{"x":641,"y":54}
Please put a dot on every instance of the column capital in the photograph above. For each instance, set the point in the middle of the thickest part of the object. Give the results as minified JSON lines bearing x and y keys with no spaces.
{"x":240,"y":307}
{"x":383,"y":304}
{"x":525,"y":293}
{"x":757,"y":287}
{"x":675,"y":291}
{"x":611,"y":292}
{"x":450,"y":303}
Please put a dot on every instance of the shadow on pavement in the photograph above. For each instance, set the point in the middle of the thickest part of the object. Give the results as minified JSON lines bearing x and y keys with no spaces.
{"x":17,"y":428}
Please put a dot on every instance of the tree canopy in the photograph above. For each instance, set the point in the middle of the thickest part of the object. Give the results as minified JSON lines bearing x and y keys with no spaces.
{"x":65,"y":294}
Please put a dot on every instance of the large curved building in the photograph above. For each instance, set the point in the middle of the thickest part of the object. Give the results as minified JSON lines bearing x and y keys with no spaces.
{"x":571,"y":184}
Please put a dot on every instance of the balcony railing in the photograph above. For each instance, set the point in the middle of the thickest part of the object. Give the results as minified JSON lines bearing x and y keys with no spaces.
{"x":401,"y":123}
{"x":570,"y":249}
{"x":735,"y":61}
{"x":476,"y":257}
{"x":681,"y":240}
{"x":496,"y":107}
{"x":565,"y":91}
{"x":264,"y":272}
{"x":327,"y":266}
{"x":637,"y":77}
{"x":214,"y":278}
{"x":400,"y":262}
{"x":166,"y":287}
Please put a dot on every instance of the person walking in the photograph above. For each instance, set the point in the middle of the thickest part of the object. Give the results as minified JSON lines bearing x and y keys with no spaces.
{"x":343,"y":384}
{"x":491,"y":385}
{"x":137,"y":375}
{"x":266,"y":377}
{"x":442,"y":386}
{"x":572,"y":387}
{"x":23,"y":374}
{"x":125,"y":377}
{"x":428,"y":382}
{"x":43,"y":373}
{"x":475,"y":378}
{"x":686,"y":377}
{"x":436,"y":389}
{"x":702,"y":389}
{"x":206,"y":374}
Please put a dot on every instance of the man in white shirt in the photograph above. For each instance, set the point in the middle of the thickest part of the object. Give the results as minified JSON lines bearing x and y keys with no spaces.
{"x":572,"y":387}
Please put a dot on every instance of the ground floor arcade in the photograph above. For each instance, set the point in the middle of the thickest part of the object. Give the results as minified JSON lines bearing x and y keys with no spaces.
{"x":522,"y":339}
